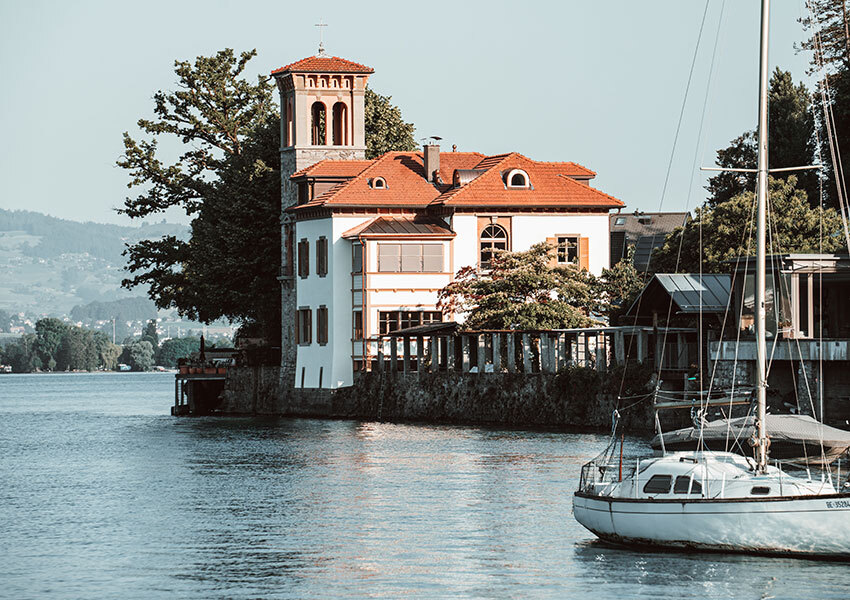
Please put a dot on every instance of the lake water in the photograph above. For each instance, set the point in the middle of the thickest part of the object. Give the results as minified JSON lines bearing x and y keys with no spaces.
{"x":105,"y":495}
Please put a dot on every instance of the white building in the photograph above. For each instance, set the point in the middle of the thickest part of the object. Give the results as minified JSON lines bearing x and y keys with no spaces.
{"x":369,"y":244}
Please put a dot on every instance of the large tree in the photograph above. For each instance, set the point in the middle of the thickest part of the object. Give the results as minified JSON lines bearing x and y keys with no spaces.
{"x":523,"y":290}
{"x":227,"y":178}
{"x":727,"y":231}
{"x":792,"y":144}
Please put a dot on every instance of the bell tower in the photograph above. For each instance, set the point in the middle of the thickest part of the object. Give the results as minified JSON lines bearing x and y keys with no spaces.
{"x":322,"y":115}
{"x":322,"y":110}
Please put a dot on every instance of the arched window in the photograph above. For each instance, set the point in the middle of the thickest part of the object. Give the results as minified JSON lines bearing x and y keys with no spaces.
{"x":340,"y":124}
{"x":379,"y":183}
{"x":517,"y":178}
{"x":493,"y":238}
{"x":319,"y":124}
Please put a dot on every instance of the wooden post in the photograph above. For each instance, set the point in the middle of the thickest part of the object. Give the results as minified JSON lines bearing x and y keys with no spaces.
{"x":526,"y":354}
{"x":601,"y":355}
{"x":497,"y":352}
{"x":586,"y":350}
{"x":682,"y":351}
{"x":464,"y":348}
{"x":659,"y":348}
{"x":620,"y":348}
{"x":450,"y":353}
{"x":511,"y":351}
{"x":482,"y":352}
{"x":641,"y":345}
{"x":553,"y":352}
{"x":434,"y":353}
{"x":405,"y":344}
{"x":380,"y":355}
{"x":544,"y":353}
{"x":394,"y":355}
{"x":420,"y":355}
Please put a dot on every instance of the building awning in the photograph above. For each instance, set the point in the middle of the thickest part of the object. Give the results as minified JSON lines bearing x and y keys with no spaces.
{"x":688,"y":292}
{"x":401,"y":227}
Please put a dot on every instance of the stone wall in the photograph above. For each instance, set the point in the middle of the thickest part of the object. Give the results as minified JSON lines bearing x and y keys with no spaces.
{"x":562,"y":399}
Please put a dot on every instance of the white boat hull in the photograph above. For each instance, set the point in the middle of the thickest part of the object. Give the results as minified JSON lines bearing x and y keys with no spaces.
{"x":810,"y":526}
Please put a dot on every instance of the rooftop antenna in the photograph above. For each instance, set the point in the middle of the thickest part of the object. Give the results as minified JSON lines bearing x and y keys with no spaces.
{"x":320,"y":25}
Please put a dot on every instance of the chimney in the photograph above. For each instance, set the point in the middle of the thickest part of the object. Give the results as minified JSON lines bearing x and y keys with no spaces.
{"x":431,"y":153}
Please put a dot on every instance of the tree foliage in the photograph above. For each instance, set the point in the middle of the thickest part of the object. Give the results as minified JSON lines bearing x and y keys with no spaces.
{"x":727,"y":231}
{"x":228,"y":179}
{"x":172,"y":350}
{"x":523,"y":290}
{"x":831,"y":19}
{"x":791,"y":131}
{"x":57,"y":346}
{"x":620,"y":286}
{"x":386,"y":130}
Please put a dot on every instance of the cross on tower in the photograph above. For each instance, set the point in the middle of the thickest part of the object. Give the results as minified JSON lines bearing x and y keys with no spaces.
{"x":320,"y":24}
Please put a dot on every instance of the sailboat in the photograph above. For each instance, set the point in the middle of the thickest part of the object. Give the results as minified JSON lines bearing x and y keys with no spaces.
{"x":720,"y":501}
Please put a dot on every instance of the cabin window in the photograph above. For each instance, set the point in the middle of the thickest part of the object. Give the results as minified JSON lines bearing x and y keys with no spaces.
{"x":493,"y":238}
{"x":322,"y":256}
{"x":322,"y":325}
{"x":760,"y":490}
{"x":304,"y":327}
{"x":357,"y":257}
{"x":683,"y":484}
{"x":658,"y":484}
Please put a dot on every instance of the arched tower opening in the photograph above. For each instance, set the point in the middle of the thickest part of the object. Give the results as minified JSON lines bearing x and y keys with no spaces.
{"x":340,"y":123}
{"x":318,"y":124}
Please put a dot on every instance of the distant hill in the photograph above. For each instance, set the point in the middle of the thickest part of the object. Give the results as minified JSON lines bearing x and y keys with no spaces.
{"x":127,"y":309}
{"x":50,"y":265}
{"x":61,"y":236}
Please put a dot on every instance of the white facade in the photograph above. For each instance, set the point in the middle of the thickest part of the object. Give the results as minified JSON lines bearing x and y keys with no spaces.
{"x":331,"y":364}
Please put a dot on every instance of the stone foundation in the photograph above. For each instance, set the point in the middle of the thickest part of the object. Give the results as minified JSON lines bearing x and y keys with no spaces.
{"x":503,"y":399}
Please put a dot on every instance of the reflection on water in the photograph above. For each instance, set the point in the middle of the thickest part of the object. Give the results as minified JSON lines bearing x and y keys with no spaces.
{"x":104,"y":495}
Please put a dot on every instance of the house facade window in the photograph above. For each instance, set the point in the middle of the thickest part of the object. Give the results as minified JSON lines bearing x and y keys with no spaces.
{"x":568,"y":249}
{"x":410,"y":258}
{"x":322,"y":256}
{"x":493,"y":238}
{"x":357,"y":324}
{"x":303,"y":259}
{"x":393,"y":320}
{"x":356,"y":257}
{"x":304,"y":327}
{"x":322,"y":325}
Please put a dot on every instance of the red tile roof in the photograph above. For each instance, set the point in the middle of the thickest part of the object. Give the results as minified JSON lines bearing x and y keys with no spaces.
{"x":324,"y":64}
{"x":333,"y":168}
{"x":553,"y":184}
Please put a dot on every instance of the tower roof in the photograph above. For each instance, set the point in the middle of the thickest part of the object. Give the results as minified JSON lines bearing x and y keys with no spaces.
{"x":324,"y":64}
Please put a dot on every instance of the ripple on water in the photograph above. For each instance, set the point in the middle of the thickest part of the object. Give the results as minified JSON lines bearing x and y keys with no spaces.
{"x":105,"y":495}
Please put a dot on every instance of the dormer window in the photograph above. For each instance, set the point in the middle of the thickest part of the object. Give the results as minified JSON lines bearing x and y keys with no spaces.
{"x":517,"y":178}
{"x":378,"y":183}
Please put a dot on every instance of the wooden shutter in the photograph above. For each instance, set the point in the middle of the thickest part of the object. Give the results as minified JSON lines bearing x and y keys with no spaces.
{"x":553,"y":251}
{"x":322,"y":325}
{"x":303,"y":259}
{"x":322,"y":257}
{"x":432,"y":258}
{"x":297,"y":327}
{"x":583,"y":253}
{"x":308,"y":334}
{"x":389,"y":258}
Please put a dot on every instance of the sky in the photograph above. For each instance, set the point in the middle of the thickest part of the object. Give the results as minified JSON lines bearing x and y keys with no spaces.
{"x":598,"y":83}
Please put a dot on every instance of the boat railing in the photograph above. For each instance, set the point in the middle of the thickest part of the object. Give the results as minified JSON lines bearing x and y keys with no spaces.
{"x":597,"y":474}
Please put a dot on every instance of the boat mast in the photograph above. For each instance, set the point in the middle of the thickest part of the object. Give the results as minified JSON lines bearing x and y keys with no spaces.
{"x":761,"y":222}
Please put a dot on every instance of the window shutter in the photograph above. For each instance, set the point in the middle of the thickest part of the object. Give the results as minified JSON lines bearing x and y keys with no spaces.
{"x":583,"y":253}
{"x":303,"y":259}
{"x":308,"y":334}
{"x":553,"y":251}
{"x":297,"y":327}
{"x":322,"y":257}
{"x":411,"y":258}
